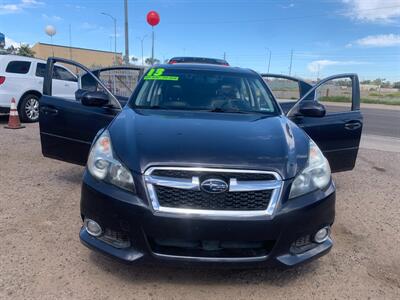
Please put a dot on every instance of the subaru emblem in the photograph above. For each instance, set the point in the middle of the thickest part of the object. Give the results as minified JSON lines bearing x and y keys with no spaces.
{"x":214,"y":186}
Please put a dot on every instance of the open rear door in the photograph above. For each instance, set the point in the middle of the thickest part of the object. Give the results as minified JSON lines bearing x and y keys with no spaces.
{"x":67,"y":127}
{"x":338,"y":133}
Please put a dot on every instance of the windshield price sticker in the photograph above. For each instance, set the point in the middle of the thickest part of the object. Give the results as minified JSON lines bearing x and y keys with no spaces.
{"x":157,"y":74}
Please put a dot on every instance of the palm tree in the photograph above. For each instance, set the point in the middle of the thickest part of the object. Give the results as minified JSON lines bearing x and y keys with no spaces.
{"x":25,"y":50}
{"x":149,"y":61}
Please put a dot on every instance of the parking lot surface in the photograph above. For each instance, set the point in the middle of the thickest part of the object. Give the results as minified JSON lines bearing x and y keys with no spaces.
{"x":41,"y":256}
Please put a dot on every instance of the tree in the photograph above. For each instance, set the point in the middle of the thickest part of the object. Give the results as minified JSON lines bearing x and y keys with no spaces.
{"x":149,"y":61}
{"x":134,"y":59}
{"x":396,"y":85}
{"x":25,"y":50}
{"x":366,"y":82}
{"x":11,"y":50}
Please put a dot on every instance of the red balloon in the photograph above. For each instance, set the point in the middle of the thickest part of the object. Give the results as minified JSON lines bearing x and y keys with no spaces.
{"x":153,"y":18}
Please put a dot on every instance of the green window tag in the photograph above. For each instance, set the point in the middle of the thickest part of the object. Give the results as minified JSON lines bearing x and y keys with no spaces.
{"x":157,"y":74}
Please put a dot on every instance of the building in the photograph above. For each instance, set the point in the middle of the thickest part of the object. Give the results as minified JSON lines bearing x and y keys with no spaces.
{"x":88,"y":57}
{"x":2,"y":41}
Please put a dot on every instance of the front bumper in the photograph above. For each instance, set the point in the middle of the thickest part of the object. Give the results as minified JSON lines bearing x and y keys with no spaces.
{"x":124,"y":212}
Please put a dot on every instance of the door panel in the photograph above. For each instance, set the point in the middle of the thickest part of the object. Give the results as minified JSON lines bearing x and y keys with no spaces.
{"x":338,"y":143}
{"x":67,"y":128}
{"x":338,"y":134}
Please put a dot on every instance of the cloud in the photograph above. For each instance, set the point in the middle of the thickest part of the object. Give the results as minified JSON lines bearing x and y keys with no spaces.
{"x":77,"y":7}
{"x":385,"y":11}
{"x":19,"y":6}
{"x":291,"y":5}
{"x":91,"y":26}
{"x":52,"y":18}
{"x":318,"y":65}
{"x":10,"y":42}
{"x":381,"y":40}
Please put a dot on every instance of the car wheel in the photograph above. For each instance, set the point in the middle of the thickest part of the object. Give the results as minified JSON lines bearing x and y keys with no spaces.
{"x":29,"y":108}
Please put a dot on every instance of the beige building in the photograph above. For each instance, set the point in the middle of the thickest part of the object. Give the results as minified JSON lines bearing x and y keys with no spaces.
{"x":88,"y":57}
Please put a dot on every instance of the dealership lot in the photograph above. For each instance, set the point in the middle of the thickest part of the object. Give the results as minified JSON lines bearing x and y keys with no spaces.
{"x":41,"y":255}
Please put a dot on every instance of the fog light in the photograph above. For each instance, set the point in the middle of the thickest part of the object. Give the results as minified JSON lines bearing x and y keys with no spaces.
{"x":322,"y":235}
{"x":92,"y":227}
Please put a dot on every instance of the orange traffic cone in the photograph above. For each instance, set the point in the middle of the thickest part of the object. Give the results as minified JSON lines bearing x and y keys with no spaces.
{"x":13,"y":120}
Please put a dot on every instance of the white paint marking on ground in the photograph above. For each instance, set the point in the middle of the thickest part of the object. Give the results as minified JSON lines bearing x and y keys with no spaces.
{"x":382,"y":143}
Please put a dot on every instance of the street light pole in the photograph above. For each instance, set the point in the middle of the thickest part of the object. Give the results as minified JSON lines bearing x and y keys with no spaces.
{"x":269,"y":60}
{"x":141,"y":41}
{"x":291,"y":62}
{"x":115,"y":35}
{"x":152,"y":45}
{"x":126,"y":33}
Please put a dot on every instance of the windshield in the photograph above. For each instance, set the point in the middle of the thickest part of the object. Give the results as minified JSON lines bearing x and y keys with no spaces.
{"x":203,"y":90}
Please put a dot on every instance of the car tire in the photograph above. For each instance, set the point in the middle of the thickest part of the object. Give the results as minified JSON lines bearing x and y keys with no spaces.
{"x":29,"y":108}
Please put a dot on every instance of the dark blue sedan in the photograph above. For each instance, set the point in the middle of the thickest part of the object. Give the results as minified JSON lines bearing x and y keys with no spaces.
{"x":202,"y":165}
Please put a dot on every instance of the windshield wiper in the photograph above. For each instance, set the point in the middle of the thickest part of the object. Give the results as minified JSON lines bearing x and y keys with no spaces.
{"x":221,"y":110}
{"x":149,"y":107}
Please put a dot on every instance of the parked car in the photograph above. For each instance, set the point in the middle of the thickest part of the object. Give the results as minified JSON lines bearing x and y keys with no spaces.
{"x":198,"y":60}
{"x":21,"y":78}
{"x":202,"y":166}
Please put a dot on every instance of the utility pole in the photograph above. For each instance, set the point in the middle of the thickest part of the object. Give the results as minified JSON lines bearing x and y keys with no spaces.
{"x":126,"y":33}
{"x":115,"y":36}
{"x":291,"y":62}
{"x":70,"y":43}
{"x":269,"y":60}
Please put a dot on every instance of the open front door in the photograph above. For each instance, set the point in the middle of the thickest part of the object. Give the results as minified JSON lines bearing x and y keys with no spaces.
{"x":338,"y":132}
{"x":68,"y":127}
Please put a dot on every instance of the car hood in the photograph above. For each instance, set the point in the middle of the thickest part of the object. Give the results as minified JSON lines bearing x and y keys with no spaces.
{"x":144,"y":138}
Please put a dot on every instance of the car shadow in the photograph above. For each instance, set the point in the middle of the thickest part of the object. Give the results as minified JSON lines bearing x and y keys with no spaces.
{"x":3,"y":119}
{"x":71,"y":174}
{"x":189,"y":275}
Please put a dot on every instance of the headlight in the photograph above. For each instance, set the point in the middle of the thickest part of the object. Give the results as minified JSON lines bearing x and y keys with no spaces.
{"x":104,"y":166}
{"x":316,"y":174}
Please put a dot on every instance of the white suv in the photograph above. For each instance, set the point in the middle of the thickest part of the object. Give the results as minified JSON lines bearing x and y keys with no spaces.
{"x":22,"y":78}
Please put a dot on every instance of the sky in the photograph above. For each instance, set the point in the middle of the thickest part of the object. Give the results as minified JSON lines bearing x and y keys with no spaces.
{"x":326,"y":36}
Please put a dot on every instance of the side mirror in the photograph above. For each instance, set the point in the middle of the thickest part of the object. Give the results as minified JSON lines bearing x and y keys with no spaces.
{"x":311,"y":109}
{"x":94,"y":99}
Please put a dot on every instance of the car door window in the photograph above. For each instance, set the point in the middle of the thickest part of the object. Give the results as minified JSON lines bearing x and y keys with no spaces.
{"x":121,"y":82}
{"x":18,"y":67}
{"x":63,"y":74}
{"x":335,"y":95}
{"x":40,"y":70}
{"x":58,"y":73}
{"x":283,"y":89}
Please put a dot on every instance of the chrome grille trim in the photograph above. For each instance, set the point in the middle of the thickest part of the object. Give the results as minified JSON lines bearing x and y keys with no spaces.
{"x":234,"y":186}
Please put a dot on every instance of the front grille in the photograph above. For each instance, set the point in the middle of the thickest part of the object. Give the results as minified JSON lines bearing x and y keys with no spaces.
{"x":204,"y":174}
{"x":210,"y":249}
{"x":179,"y":198}
{"x":180,"y":190}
